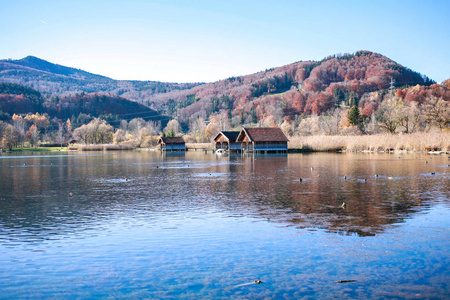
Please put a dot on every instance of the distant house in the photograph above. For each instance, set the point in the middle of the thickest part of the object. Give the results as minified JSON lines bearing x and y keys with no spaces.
{"x":227,"y":140}
{"x":263,"y":139}
{"x":172,"y":143}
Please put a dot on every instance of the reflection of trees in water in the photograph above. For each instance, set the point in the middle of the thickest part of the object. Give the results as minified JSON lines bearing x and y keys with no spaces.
{"x":36,"y":203}
{"x":271,"y":189}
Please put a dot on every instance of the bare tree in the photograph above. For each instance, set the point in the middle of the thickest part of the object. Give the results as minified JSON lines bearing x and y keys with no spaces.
{"x":20,"y":124}
{"x":144,"y":133}
{"x":154,"y":128}
{"x":173,"y":127}
{"x":309,"y":126}
{"x":437,"y":112}
{"x":104,"y":133}
{"x":372,"y":126}
{"x":96,"y":132}
{"x":211,"y":130}
{"x":329,"y":122}
{"x":221,"y":120}
{"x":287,"y":127}
{"x":81,"y":134}
{"x":119,"y":136}
{"x":124,"y":125}
{"x":59,"y":137}
{"x":389,"y":114}
{"x":197,"y":127}
{"x":135,"y":125}
{"x":410,"y":117}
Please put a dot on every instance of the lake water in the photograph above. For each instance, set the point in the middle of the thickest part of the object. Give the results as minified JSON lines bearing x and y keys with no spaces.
{"x":139,"y":225}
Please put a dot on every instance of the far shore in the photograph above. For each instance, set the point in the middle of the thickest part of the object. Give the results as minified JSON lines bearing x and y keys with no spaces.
{"x":435,"y":142}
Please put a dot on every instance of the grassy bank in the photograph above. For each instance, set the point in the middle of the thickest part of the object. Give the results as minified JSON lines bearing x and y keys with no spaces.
{"x":40,"y":149}
{"x":436,"y":141}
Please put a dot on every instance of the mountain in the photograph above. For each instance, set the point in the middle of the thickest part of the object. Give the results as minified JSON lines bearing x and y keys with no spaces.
{"x":298,"y":89}
{"x":54,"y":79}
{"x":31,"y":62}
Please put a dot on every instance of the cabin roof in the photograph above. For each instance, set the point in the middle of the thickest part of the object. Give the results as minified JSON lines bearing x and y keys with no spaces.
{"x":263,"y":134}
{"x":171,"y":140}
{"x":229,"y":135}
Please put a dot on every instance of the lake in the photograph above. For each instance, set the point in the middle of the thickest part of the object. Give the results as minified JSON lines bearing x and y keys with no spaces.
{"x":138,"y":224}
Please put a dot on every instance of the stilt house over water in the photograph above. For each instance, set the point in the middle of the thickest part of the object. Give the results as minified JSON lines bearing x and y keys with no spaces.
{"x":226,"y":140}
{"x":172,"y":143}
{"x":263,"y":139}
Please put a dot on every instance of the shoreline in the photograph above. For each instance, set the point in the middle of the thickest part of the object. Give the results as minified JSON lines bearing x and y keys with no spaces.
{"x":290,"y":151}
{"x":431,"y":142}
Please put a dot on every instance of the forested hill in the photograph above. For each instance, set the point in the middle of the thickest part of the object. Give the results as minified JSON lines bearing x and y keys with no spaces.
{"x":53,"y":79}
{"x":31,"y":62}
{"x":18,"y":99}
{"x":299,"y":89}
{"x":302,"y":88}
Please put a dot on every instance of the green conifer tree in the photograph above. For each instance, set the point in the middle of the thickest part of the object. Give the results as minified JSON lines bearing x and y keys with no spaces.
{"x":354,"y":116}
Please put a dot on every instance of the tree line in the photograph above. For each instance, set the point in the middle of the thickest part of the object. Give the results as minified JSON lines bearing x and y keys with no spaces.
{"x":393,"y":114}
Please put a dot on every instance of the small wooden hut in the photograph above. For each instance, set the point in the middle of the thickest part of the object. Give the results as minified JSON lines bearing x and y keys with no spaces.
{"x":176,"y":143}
{"x":263,"y":139}
{"x":227,"y":140}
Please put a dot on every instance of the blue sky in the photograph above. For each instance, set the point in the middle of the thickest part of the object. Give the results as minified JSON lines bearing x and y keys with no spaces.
{"x":204,"y":41}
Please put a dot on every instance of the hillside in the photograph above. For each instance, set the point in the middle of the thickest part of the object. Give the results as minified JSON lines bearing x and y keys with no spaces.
{"x":32,"y":62}
{"x":53,"y":79}
{"x":18,"y":99}
{"x":301,"y":88}
{"x":288,"y":92}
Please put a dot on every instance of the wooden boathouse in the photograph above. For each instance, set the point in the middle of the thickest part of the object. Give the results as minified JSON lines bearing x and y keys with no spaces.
{"x":227,"y":141}
{"x":172,"y":143}
{"x":263,"y":139}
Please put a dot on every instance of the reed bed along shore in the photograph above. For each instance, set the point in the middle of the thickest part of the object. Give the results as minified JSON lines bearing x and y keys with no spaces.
{"x":414,"y":142}
{"x":199,"y":146}
{"x":434,"y":141}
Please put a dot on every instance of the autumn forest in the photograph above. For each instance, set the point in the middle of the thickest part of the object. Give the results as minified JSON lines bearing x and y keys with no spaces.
{"x":364,"y":93}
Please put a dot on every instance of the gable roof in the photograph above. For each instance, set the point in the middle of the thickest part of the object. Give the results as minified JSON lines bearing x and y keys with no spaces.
{"x":263,"y":134}
{"x":171,"y":140}
{"x":230,"y":135}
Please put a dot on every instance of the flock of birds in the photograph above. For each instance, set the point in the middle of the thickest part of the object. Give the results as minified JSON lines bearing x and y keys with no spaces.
{"x":344,"y":205}
{"x":376,"y":175}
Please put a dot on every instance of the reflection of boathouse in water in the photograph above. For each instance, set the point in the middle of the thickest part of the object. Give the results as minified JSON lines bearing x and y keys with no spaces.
{"x":226,"y":141}
{"x":263,"y":139}
{"x":172,"y":143}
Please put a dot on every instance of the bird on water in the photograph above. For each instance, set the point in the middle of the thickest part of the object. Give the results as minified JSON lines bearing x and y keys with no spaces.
{"x":257,"y":281}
